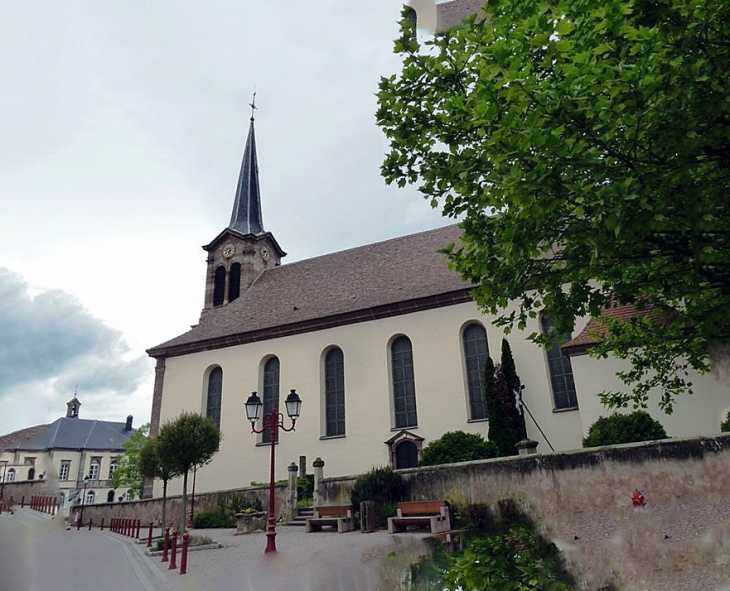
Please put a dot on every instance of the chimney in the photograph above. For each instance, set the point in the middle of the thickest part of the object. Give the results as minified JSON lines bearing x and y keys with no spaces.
{"x":128,"y":426}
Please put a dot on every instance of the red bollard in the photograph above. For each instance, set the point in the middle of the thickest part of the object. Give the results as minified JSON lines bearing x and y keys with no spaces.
{"x":90,"y":522}
{"x":139,"y":525}
{"x":173,"y":560}
{"x":22,"y":501}
{"x":78,"y":523}
{"x":166,"y":545}
{"x":125,"y":530}
{"x":184,"y":554}
{"x":114,"y":524}
{"x":149,"y":537}
{"x":102,"y":525}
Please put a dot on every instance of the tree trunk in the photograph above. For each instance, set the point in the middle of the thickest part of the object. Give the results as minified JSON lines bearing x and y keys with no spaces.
{"x":184,"y":523}
{"x":719,"y":354}
{"x":164,"y":505}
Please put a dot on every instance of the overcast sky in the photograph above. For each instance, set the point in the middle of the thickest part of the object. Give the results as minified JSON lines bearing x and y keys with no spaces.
{"x":122,"y":126}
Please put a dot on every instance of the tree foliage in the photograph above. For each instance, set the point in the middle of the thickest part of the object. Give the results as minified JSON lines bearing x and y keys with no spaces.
{"x":501,"y":386}
{"x":619,"y":428}
{"x":584,"y":144}
{"x":151,"y":466}
{"x":128,"y":471}
{"x":457,"y":446}
{"x":188,"y":442}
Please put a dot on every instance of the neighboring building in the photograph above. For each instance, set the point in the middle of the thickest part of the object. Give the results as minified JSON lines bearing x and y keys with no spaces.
{"x":382,"y":342}
{"x":65,"y":452}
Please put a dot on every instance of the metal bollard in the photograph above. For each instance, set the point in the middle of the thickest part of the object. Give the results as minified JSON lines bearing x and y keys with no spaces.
{"x":173,"y":560}
{"x":139,"y":525}
{"x":102,"y":525}
{"x":184,"y":554}
{"x":90,"y":522}
{"x":149,"y":537}
{"x":22,"y":501}
{"x":166,"y":545}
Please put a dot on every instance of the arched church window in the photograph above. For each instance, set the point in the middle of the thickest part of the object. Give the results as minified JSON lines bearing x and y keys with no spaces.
{"x":334,"y":391}
{"x":404,"y":385}
{"x":234,"y":282}
{"x":560,"y":368}
{"x":271,"y":393}
{"x":215,"y":395}
{"x":476,"y":351}
{"x":219,"y":286}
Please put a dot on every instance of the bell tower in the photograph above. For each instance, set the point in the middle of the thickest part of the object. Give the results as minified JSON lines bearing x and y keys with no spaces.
{"x":244,"y":250}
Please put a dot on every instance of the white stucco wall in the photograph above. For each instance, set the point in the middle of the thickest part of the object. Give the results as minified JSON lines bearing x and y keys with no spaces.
{"x":439,"y":379}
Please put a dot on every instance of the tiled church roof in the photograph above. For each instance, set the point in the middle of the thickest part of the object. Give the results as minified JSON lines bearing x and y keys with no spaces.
{"x":397,"y":276}
{"x":73,"y":433}
{"x":20,"y":437}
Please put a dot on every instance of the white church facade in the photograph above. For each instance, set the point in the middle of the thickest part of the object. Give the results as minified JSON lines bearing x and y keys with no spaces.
{"x":383,"y":344}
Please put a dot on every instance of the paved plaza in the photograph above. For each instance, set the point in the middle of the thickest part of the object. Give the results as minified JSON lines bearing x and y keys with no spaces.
{"x":37,"y":553}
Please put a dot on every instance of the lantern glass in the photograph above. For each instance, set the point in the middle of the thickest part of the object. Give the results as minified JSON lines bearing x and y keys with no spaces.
{"x":253,"y":407}
{"x":293,"y":405}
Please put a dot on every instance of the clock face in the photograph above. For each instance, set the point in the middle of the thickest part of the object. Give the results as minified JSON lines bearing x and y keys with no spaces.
{"x":228,"y":250}
{"x":265,"y":253}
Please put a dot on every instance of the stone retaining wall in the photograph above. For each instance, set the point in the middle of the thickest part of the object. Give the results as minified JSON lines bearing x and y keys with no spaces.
{"x":582,"y":501}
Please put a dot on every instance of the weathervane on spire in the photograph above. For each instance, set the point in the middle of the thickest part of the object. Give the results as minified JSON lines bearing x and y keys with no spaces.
{"x":252,"y":104}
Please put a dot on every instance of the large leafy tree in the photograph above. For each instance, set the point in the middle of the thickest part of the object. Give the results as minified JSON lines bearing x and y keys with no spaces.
{"x":584,"y":145}
{"x":185,"y":443}
{"x":128,"y":471}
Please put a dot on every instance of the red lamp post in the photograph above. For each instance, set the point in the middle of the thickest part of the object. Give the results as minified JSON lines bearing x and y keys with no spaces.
{"x":272,"y":421}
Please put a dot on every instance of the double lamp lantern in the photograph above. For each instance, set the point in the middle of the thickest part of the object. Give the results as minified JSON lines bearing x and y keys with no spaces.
{"x":273,"y":421}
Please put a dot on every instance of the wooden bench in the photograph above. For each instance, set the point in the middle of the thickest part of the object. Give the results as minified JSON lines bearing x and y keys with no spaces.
{"x":339,"y":516}
{"x":434,"y":514}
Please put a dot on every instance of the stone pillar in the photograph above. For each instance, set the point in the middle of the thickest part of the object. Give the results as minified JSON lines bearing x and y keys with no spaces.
{"x":302,"y":466}
{"x":526,"y":447}
{"x":292,"y":492}
{"x":318,"y":475}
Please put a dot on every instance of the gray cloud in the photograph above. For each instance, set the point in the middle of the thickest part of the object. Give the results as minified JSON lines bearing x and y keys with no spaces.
{"x":53,"y":337}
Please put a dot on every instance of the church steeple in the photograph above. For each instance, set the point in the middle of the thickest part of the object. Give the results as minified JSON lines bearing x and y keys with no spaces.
{"x":246,"y":217}
{"x":244,"y":250}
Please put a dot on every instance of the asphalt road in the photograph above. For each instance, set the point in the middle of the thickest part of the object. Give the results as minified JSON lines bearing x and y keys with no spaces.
{"x":38,"y":554}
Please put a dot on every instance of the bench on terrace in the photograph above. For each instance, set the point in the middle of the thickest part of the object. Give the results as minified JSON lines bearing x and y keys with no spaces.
{"x":434,"y":514}
{"x":339,"y":516}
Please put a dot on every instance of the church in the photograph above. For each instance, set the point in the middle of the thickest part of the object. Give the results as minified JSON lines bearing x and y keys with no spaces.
{"x":382,"y":343}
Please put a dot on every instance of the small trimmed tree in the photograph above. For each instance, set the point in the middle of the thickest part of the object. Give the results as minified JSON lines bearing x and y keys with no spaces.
{"x":189,"y":441}
{"x":514,"y":385}
{"x":457,"y":446}
{"x":151,"y":466}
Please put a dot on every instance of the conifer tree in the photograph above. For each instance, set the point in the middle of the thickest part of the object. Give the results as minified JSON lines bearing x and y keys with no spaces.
{"x":515,"y":385}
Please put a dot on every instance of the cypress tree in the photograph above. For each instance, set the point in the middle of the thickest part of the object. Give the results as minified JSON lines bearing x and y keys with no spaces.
{"x":513,"y":383}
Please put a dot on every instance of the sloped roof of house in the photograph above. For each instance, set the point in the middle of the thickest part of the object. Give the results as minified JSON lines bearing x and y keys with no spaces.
{"x":389,"y":278}
{"x":594,"y":331}
{"x":22,"y":436}
{"x":73,"y":433}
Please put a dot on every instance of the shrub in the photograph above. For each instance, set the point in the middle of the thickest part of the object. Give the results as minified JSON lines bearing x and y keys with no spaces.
{"x":457,"y":446}
{"x":381,"y":485}
{"x":240,"y":503}
{"x":618,"y":428}
{"x":212,"y":518}
{"x":725,"y":425}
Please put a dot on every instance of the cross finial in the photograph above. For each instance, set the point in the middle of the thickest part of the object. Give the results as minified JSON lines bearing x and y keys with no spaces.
{"x":252,"y":104}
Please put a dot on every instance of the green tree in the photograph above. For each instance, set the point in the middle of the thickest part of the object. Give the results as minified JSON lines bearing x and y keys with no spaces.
{"x":584,"y":144}
{"x":128,"y":472}
{"x":457,"y":446}
{"x":617,"y":428}
{"x":188,"y":442}
{"x":151,"y":466}
{"x":514,"y":385}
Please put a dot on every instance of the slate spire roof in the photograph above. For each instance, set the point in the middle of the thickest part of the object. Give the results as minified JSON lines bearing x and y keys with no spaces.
{"x":246,"y":217}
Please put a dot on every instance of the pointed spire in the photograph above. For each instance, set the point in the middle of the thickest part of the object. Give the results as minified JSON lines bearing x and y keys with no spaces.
{"x":246,"y":217}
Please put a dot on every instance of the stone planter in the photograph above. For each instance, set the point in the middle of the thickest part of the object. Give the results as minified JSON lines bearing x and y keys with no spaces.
{"x":250,"y":522}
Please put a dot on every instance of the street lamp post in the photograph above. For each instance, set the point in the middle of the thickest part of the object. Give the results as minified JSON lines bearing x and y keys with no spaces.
{"x":273,"y":421}
{"x":83,"y":500}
